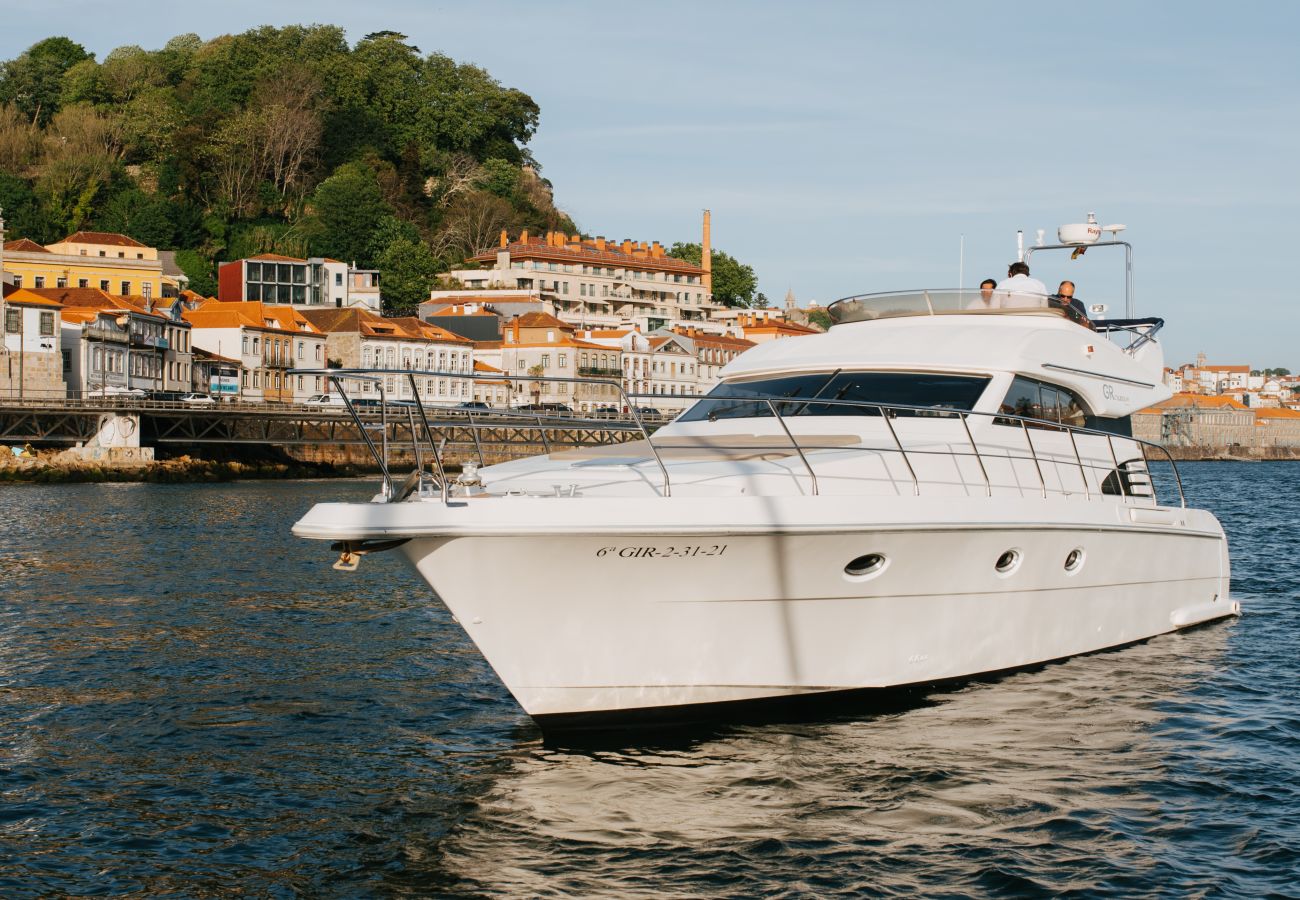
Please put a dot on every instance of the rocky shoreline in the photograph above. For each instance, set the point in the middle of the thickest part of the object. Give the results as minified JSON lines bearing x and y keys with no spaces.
{"x":61,"y":467}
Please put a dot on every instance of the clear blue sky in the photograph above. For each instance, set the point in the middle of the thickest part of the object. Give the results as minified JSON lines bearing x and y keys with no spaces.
{"x":845,"y":147}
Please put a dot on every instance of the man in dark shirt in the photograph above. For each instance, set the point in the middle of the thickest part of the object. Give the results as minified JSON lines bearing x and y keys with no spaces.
{"x":1065,"y":293}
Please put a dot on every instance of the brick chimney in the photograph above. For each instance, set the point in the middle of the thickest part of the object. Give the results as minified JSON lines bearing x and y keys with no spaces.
{"x":706,"y":255}
{"x":523,"y":236}
{"x":600,"y":242}
{"x":505,"y":238}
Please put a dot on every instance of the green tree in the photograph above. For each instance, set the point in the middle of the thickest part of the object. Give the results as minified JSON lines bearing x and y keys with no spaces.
{"x":407,"y":270}
{"x":24,"y":216}
{"x":136,"y":214}
{"x":348,"y":207}
{"x":820,"y":318}
{"x":734,"y":283}
{"x":34,"y":81}
{"x":200,"y":270}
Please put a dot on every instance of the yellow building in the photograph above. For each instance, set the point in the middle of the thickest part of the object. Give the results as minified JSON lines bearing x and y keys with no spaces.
{"x":113,"y":263}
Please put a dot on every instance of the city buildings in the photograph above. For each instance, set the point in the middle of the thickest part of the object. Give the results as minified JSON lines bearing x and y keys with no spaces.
{"x":104,"y":336}
{"x":31,"y":365}
{"x":359,"y":339}
{"x":268,"y":340}
{"x":302,"y":283}
{"x":592,"y":283}
{"x":113,"y":263}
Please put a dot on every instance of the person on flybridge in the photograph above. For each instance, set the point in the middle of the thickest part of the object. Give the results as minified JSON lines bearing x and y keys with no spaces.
{"x":1019,"y":290}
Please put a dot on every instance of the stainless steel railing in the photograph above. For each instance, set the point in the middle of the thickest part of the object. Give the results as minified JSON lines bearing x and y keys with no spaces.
{"x":1125,"y":473}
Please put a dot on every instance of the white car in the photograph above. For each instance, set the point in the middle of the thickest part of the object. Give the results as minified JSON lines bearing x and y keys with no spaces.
{"x":324,"y":400}
{"x":197,"y":400}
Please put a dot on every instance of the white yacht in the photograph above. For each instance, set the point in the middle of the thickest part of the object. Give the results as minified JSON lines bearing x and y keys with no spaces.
{"x":943,"y":485}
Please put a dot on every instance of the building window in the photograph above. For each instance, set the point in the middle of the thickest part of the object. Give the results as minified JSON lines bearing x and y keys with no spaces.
{"x":40,"y":281}
{"x":300,"y":351}
{"x":83,"y":282}
{"x":61,"y":281}
{"x":13,"y":320}
{"x":338,"y":279}
{"x":564,"y":360}
{"x":147,"y":290}
{"x":47,"y":324}
{"x":103,"y":284}
{"x":18,"y":281}
{"x":546,"y":360}
{"x":126,"y":289}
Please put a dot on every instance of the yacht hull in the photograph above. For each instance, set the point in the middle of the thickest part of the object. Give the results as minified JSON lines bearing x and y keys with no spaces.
{"x":595,"y":627}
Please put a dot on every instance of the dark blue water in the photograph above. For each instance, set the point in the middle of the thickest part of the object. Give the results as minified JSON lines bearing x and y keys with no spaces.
{"x":192,"y":703}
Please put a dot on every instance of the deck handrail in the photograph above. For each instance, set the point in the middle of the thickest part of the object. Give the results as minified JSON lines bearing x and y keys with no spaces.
{"x":887,"y":411}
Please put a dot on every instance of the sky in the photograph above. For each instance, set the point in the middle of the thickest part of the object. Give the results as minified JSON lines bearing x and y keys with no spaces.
{"x":855,"y":147}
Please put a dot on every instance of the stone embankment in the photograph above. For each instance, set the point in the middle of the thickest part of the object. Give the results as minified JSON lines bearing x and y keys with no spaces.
{"x":64,"y":467}
{"x":1233,"y":453}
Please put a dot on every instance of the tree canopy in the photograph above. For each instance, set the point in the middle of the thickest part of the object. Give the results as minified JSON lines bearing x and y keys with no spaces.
{"x":276,"y":139}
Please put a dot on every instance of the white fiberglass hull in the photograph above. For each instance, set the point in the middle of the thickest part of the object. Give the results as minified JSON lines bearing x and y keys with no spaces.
{"x":600,"y":622}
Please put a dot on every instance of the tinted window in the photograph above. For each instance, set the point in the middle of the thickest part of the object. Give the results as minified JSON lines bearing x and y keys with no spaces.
{"x":1036,"y":400}
{"x":935,"y":391}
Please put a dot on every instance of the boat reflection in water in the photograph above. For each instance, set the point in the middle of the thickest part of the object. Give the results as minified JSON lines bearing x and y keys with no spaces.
{"x":1062,"y":778}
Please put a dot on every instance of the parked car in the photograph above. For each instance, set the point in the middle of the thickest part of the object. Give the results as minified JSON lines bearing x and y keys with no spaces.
{"x":606,"y":412}
{"x":197,"y":400}
{"x":324,"y":400}
{"x":545,"y":407}
{"x":473,"y":404}
{"x":650,"y":411}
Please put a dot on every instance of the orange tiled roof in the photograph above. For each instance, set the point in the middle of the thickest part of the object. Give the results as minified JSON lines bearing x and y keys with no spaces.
{"x":724,"y":340}
{"x":543,"y":320}
{"x":458,"y":309}
{"x":94,"y":298}
{"x":563,"y":342}
{"x":250,"y":314}
{"x":275,"y":257}
{"x":480,"y":366}
{"x":101,"y":237}
{"x":363,"y":321}
{"x":1195,"y":401}
{"x":29,"y":297}
{"x":415,"y":325}
{"x":661,"y":340}
{"x":1277,"y":412}
{"x":587,"y":251}
{"x":24,"y":245}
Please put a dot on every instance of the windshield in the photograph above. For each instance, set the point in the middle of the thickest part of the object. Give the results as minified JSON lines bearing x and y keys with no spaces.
{"x":942,"y":303}
{"x":734,"y":400}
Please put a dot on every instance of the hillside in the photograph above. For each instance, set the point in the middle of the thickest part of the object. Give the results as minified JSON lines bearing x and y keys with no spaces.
{"x":283,"y":140}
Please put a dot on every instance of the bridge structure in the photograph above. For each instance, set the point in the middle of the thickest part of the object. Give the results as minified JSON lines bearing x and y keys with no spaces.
{"x":488,"y":435}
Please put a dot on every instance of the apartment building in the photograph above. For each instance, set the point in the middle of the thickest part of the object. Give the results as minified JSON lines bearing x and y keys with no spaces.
{"x":302,"y":283}
{"x":112,"y":263}
{"x":32,"y":365}
{"x":358,"y":339}
{"x":712,"y":352}
{"x":148,"y":342}
{"x":595,"y":283}
{"x":269,"y":341}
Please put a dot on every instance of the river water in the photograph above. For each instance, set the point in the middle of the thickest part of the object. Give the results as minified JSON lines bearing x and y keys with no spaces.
{"x":193,"y":704}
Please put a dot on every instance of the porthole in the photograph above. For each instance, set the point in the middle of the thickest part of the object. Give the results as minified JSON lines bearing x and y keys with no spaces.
{"x":1074,"y":560}
{"x":866,"y":566}
{"x":1008,"y":562}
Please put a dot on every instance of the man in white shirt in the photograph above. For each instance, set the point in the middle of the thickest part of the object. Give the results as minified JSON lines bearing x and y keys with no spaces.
{"x":1018,"y":290}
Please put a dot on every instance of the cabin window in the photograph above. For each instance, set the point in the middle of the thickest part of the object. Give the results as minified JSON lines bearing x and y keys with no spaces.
{"x":1034,"y":399}
{"x":930,"y":390}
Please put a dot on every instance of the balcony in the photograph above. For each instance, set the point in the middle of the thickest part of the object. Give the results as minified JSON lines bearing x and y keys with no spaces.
{"x":598,"y":372}
{"x":100,"y":333}
{"x":149,"y":340}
